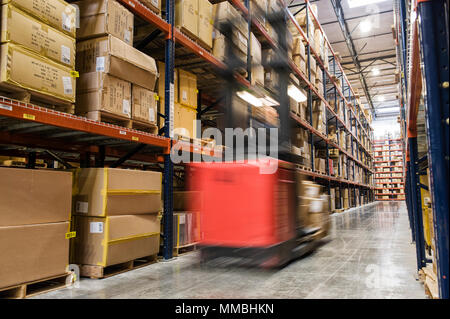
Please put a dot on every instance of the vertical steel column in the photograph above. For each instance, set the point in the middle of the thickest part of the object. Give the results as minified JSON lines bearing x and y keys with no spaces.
{"x":408,"y":202}
{"x":416,"y":203}
{"x":434,"y":44}
{"x":309,"y":88}
{"x":168,"y":124}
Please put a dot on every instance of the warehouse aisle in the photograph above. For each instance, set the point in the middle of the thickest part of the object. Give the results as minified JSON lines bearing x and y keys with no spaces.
{"x":370,"y":256}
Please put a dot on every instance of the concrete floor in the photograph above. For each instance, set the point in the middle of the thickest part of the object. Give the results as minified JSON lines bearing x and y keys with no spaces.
{"x":370,"y":256}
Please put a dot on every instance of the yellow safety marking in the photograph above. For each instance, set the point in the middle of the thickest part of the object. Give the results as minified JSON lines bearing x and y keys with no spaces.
{"x":104,"y":190}
{"x":130,"y":238}
{"x":132,"y":192}
{"x":105,"y":243}
{"x":178,"y":230}
{"x":71,"y":234}
{"x":29,"y":117}
{"x":135,"y":138}
{"x":74,"y":74}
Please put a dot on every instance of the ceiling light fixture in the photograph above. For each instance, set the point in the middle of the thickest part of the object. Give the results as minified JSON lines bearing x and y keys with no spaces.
{"x":381,"y":98}
{"x":376,"y":71}
{"x":295,"y":93}
{"x":360,"y":3}
{"x":365,"y":26}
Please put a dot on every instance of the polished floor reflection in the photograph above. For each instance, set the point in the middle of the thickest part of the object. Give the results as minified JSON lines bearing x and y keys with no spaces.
{"x":370,"y":255}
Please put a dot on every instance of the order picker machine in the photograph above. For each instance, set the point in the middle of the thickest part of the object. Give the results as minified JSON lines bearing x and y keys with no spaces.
{"x":249,"y":217}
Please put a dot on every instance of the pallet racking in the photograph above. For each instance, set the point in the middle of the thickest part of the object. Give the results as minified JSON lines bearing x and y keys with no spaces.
{"x":421,"y":34}
{"x":389,"y":170}
{"x":33,"y":132}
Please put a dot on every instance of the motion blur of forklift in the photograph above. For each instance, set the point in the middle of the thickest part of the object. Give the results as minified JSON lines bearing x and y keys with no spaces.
{"x":249,"y":216}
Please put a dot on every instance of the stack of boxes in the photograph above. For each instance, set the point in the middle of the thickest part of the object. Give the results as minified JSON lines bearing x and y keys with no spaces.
{"x":319,"y":116}
{"x":257,"y":69}
{"x":193,"y":17}
{"x":186,"y":221}
{"x":116,"y":79}
{"x":301,"y":145}
{"x":34,"y":225}
{"x":299,"y":54}
{"x":116,"y":215}
{"x":185,"y":101}
{"x":314,"y":208}
{"x":38,"y":51}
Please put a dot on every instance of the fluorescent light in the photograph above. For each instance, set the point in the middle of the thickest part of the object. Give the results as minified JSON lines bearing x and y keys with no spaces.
{"x":268,"y":101}
{"x":381,"y":98}
{"x":376,"y":71}
{"x":360,"y":3}
{"x":295,"y":93}
{"x":365,"y":26}
{"x":250,"y":98}
{"x":388,"y":109}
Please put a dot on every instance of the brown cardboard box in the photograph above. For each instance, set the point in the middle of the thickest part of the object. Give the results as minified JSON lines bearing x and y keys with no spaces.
{"x":239,"y":45}
{"x":225,"y":12}
{"x":186,"y":16}
{"x":112,"y":240}
{"x":258,"y":75}
{"x":20,"y":28}
{"x":112,"y":191}
{"x":205,"y":24}
{"x":187,"y":88}
{"x":299,"y":47}
{"x":255,"y":50}
{"x":144,"y":107}
{"x":154,"y":5}
{"x":34,"y":196}
{"x":99,"y":91}
{"x":162,"y":85}
{"x":115,"y":57}
{"x":33,"y":252}
{"x":185,"y":121}
{"x":319,"y":164}
{"x":186,"y":228}
{"x":24,"y":69}
{"x":103,"y":17}
{"x":56,"y":13}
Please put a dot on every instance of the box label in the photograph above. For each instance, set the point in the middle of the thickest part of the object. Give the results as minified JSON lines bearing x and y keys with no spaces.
{"x":127,"y":36}
{"x":126,"y":107}
{"x":67,"y":83}
{"x":151,"y":114}
{"x":65,"y":54}
{"x":66,"y":22}
{"x":96,"y":227}
{"x":100,"y":64}
{"x":182,"y":219}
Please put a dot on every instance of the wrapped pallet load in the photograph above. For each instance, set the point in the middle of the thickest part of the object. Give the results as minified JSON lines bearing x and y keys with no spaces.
{"x":120,"y":208}
{"x":34,"y":225}
{"x":38,"y":52}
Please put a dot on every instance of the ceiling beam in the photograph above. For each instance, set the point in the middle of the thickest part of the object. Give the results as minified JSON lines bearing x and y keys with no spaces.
{"x":351,"y":47}
{"x":389,"y":56}
{"x":364,"y":38}
{"x":359,"y":17}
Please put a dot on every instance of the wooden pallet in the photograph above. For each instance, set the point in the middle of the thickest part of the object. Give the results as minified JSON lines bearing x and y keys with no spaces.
{"x":179,"y":251}
{"x":111,"y":118}
{"x":207,"y":142}
{"x":99,"y":272}
{"x":195,"y":39}
{"x":305,"y":168}
{"x":340,"y":210}
{"x":37,"y":287}
{"x":20,"y":164}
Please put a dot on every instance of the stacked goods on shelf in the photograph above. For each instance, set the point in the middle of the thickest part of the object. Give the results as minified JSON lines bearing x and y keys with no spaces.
{"x":187,"y":207}
{"x":38,"y":52}
{"x":154,"y":5}
{"x":116,"y":217}
{"x":194,"y":18}
{"x":34,"y":225}
{"x":301,"y":145}
{"x":319,"y":116}
{"x":299,"y":54}
{"x":223,"y":13}
{"x":257,"y":70}
{"x":314,"y":206}
{"x":389,"y":170}
{"x":117,"y":81}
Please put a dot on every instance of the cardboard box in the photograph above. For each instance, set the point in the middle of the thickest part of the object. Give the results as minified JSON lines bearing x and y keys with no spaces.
{"x":111,"y":240}
{"x":20,"y":28}
{"x":154,"y":5}
{"x":186,"y":16}
{"x":187,"y":88}
{"x":33,"y":252}
{"x":258,"y":75}
{"x":99,"y":91}
{"x":115,"y":57}
{"x":205,"y":23}
{"x":111,"y":192}
{"x":185,"y":121}
{"x":186,"y":228}
{"x":224,"y":12}
{"x":239,"y":46}
{"x":162,"y":83}
{"x":103,"y":17}
{"x":144,"y":106}
{"x":255,"y":50}
{"x":56,"y":13}
{"x":34,"y":196}
{"x":24,"y":69}
{"x":299,"y":47}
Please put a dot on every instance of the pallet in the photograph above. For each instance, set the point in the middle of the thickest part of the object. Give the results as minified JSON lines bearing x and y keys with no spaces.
{"x":182,"y":250}
{"x":195,"y":39}
{"x":207,"y":142}
{"x":100,"y":272}
{"x":37,"y":287}
{"x":340,"y":210}
{"x":20,"y":164}
{"x":119,"y":120}
{"x":305,"y":168}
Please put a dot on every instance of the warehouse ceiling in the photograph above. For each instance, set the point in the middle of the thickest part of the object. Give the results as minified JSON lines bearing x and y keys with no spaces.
{"x":369,"y":27}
